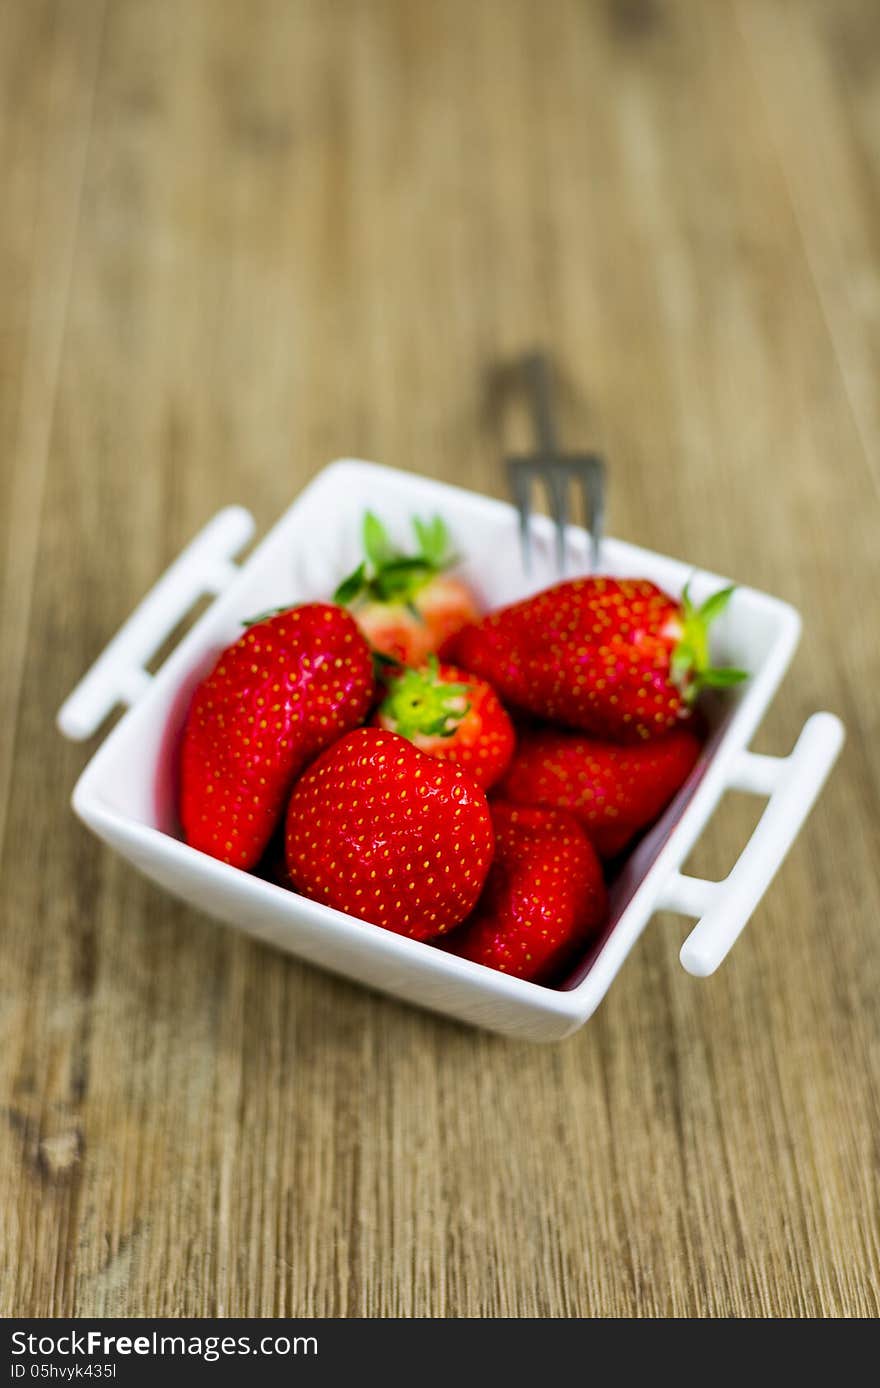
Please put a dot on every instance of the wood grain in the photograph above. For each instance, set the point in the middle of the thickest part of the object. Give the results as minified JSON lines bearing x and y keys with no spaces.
{"x":240,"y":240}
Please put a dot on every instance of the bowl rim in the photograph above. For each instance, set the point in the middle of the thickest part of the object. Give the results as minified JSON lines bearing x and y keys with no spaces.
{"x":575,"y":1002}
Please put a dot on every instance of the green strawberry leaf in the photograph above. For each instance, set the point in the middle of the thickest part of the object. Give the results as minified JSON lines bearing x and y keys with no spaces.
{"x":264,"y":616}
{"x":689,"y":666}
{"x":682,"y":662}
{"x":400,"y":579}
{"x":386,"y":575}
{"x":724,"y":678}
{"x":377,"y":545}
{"x":433,"y":538}
{"x":350,"y":587}
{"x":715,"y":605}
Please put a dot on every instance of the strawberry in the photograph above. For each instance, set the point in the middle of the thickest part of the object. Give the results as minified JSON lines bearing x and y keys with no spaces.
{"x":406,"y":605}
{"x":616,"y":657}
{"x":380,"y":830}
{"x":544,"y":895}
{"x":450,"y":715}
{"x":613,"y":791}
{"x":290,"y":685}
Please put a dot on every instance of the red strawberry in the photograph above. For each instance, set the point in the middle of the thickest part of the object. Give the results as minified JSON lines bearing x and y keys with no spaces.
{"x":544,"y":895}
{"x":617,"y":657}
{"x":450,"y":715}
{"x":380,"y":830}
{"x":613,"y":791}
{"x":406,"y":605}
{"x":287,"y":688}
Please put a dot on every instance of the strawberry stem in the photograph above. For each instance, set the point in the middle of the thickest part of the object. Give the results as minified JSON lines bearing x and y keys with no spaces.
{"x":420,"y":702}
{"x":690,"y":667}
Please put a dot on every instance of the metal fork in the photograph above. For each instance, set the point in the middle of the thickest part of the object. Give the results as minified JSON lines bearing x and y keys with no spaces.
{"x":557,"y":471}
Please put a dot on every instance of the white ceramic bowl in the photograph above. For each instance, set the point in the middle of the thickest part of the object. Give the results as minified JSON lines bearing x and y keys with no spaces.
{"x":127,"y":792}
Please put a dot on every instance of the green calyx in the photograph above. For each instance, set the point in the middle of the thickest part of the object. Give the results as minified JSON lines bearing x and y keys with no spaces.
{"x":419,"y":702}
{"x":270,"y":612}
{"x":386,"y":575}
{"x":385,"y":666}
{"x":690,"y":668}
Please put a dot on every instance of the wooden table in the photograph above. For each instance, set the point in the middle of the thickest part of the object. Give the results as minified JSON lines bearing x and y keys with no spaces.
{"x":241,"y":238}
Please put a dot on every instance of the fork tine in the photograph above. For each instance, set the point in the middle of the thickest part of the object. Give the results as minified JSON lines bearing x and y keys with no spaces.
{"x":557,"y":482}
{"x":558,"y":471}
{"x":592,"y":477}
{"x":519,"y":482}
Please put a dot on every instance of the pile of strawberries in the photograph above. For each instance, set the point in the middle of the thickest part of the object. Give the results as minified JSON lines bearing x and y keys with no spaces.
{"x":456,"y":778}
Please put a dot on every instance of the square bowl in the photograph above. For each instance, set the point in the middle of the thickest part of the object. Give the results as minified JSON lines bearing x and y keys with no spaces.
{"x":127,"y":793}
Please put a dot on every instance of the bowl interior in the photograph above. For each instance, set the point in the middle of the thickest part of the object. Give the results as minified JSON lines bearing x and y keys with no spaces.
{"x":317,"y":542}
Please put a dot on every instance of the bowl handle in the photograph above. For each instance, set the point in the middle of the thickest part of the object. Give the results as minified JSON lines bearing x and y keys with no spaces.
{"x":118,"y":675}
{"x":792,"y":784}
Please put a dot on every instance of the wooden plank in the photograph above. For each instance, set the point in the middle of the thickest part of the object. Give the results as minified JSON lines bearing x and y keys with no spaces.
{"x":48,"y":56}
{"x":48,"y":60}
{"x":817,"y":65}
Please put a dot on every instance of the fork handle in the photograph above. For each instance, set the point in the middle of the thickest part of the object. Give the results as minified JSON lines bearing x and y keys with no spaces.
{"x":538,"y":378}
